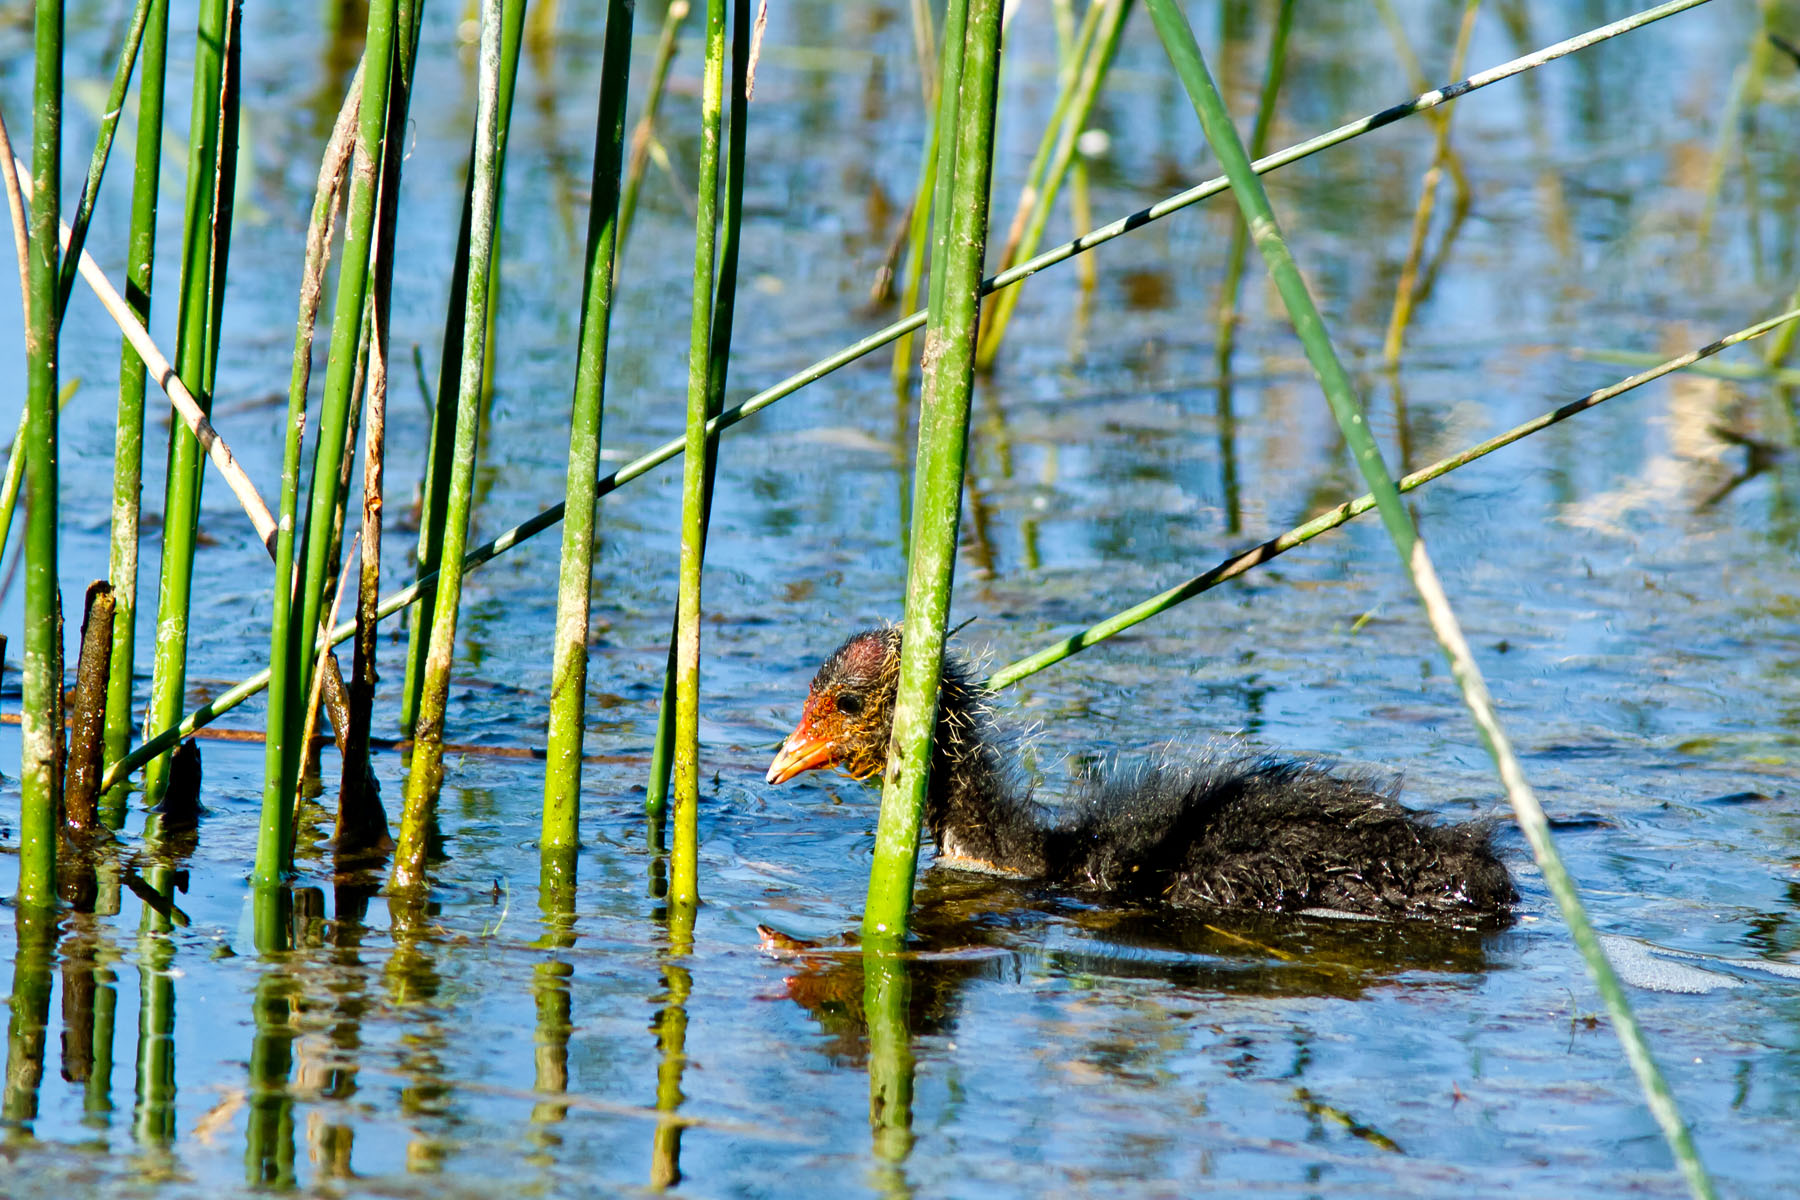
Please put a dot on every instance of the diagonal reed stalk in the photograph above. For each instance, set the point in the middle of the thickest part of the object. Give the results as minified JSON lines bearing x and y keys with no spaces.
{"x":109,"y":124}
{"x":568,"y":673}
{"x":206,"y":233}
{"x":1331,"y":518}
{"x":417,"y":590}
{"x":1057,"y":651}
{"x":128,"y":437}
{"x":1190,"y":65}
{"x":427,"y":760}
{"x":967,"y":111}
{"x":41,"y":727}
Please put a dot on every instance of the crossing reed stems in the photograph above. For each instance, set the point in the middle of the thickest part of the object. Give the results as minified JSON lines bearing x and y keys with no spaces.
{"x":128,"y":435}
{"x":41,"y":727}
{"x":412,"y":593}
{"x":206,"y":233}
{"x":427,"y":757}
{"x":109,"y":124}
{"x":967,"y":110}
{"x":1190,"y":65}
{"x":568,"y":673}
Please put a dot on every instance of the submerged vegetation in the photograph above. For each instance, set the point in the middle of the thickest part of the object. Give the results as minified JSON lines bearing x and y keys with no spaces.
{"x":115,"y":806}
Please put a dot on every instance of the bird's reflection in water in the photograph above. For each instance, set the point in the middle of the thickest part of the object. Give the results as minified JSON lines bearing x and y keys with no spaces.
{"x":969,"y":927}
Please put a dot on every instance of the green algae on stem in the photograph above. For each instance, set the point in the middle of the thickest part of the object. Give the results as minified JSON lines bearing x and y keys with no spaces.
{"x":568,"y":672}
{"x":1346,"y":409}
{"x":966,"y":111}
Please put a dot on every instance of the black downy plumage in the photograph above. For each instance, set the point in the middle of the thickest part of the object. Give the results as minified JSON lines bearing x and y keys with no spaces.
{"x":1220,"y":828}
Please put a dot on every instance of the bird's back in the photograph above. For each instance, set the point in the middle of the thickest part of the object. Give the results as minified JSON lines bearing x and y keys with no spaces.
{"x":1218,"y":830}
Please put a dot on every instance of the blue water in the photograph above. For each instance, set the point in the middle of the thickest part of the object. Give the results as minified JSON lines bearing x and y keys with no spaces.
{"x":1633,"y":616}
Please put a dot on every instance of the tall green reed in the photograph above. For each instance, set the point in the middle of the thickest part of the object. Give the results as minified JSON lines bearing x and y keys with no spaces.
{"x":439,"y":468}
{"x":568,"y":672}
{"x":684,"y":883}
{"x":288,"y":710}
{"x":427,"y":760}
{"x":128,"y":435}
{"x":41,"y":726}
{"x":206,"y":235}
{"x":967,"y":108}
{"x":724,"y":306}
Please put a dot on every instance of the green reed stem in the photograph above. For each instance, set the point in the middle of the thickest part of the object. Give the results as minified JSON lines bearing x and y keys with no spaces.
{"x":128,"y":437}
{"x":422,"y":586}
{"x":644,"y":132}
{"x":568,"y":673}
{"x":275,"y":839}
{"x":285,"y":695}
{"x":938,"y":478}
{"x":438,"y":471}
{"x":361,"y":822}
{"x":684,"y":850}
{"x":1069,"y":118}
{"x":724,"y":306}
{"x":109,"y":124}
{"x":206,"y":233}
{"x":1178,"y":40}
{"x":428,"y":750}
{"x":41,"y":726}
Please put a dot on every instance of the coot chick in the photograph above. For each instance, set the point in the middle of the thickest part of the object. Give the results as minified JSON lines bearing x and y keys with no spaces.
{"x":1220,"y":828}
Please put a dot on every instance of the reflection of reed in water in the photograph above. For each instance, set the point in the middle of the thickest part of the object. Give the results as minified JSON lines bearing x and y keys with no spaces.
{"x":968,"y":928}
{"x":36,"y":931}
{"x":670,"y":1026}
{"x":550,"y":990}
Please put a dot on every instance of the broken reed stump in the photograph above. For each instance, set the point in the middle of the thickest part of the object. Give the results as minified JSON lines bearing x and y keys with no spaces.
{"x":81,"y":790}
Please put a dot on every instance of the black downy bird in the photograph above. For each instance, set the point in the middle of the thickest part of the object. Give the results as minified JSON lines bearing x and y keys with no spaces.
{"x":1219,"y":829}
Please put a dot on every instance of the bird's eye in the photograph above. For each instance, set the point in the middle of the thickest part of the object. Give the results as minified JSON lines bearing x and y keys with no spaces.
{"x":850,"y":704}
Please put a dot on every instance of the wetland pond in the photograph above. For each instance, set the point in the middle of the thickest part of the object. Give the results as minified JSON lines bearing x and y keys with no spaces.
{"x":1628,"y":590}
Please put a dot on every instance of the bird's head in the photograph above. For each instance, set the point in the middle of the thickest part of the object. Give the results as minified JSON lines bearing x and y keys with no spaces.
{"x":849,"y":710}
